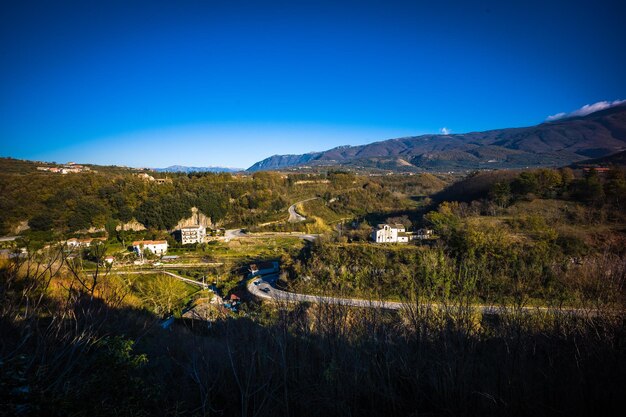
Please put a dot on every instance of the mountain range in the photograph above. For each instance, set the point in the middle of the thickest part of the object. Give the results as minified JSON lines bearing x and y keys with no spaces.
{"x":186,"y":169}
{"x":554,"y":143}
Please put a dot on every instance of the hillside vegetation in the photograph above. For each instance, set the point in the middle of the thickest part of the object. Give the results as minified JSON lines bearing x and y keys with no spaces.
{"x":531,"y":238}
{"x":75,"y":202}
{"x":86,"y":343}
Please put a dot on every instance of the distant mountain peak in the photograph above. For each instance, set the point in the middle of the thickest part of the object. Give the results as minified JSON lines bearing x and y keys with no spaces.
{"x":554,"y":143}
{"x":187,"y":169}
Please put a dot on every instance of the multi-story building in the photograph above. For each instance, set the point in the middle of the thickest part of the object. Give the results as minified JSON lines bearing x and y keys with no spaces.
{"x":192,"y":234}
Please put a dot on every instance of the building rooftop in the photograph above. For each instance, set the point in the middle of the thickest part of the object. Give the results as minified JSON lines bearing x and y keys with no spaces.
{"x":393,"y":226}
{"x":86,"y":239}
{"x":149,"y":242}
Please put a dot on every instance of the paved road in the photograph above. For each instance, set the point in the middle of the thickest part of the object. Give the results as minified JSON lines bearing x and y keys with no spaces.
{"x":309,"y":238}
{"x":190,"y":265}
{"x":233,"y":233}
{"x":294,"y":216}
{"x":238,"y":233}
{"x":262,"y":289}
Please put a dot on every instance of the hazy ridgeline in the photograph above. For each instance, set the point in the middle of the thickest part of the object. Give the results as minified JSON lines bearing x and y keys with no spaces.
{"x":71,"y":346}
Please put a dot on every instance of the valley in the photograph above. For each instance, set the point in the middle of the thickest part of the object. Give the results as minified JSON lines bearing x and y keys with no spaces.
{"x":286,"y":271}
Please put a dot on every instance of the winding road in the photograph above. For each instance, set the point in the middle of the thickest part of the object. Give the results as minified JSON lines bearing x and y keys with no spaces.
{"x":294,"y":216}
{"x":262,"y":289}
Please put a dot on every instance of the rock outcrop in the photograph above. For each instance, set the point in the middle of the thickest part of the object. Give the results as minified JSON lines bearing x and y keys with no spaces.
{"x":197,"y":218}
{"x":133,"y":225}
{"x":18,"y":228}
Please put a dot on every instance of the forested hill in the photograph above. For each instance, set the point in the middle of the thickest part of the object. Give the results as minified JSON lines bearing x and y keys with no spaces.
{"x":50,"y":201}
{"x":555,"y":143}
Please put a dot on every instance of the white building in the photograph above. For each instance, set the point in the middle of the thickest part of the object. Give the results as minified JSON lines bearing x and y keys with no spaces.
{"x":192,"y":234}
{"x":394,"y":233}
{"x":158,"y":247}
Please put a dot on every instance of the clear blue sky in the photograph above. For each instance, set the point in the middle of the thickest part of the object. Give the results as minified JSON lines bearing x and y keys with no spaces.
{"x":154,"y":83}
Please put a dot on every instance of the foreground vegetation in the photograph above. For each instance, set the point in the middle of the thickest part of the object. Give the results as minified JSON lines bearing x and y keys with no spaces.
{"x":66,"y":350}
{"x":77,"y":342}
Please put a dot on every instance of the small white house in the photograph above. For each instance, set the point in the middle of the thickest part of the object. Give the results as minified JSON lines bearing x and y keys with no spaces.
{"x":158,"y":247}
{"x":192,"y":234}
{"x":394,"y":233}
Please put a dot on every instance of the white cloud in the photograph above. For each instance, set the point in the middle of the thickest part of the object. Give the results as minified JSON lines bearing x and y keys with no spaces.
{"x":445,"y":131}
{"x":586,"y":109}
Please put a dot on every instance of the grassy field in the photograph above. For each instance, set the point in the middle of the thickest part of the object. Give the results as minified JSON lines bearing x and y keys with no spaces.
{"x":245,"y":249}
{"x":319,"y":208}
{"x":158,"y":293}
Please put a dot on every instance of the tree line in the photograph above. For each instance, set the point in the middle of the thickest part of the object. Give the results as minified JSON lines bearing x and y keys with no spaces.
{"x":69,"y":203}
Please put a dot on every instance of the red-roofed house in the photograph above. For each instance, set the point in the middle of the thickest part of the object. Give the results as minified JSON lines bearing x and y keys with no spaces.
{"x":158,"y":247}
